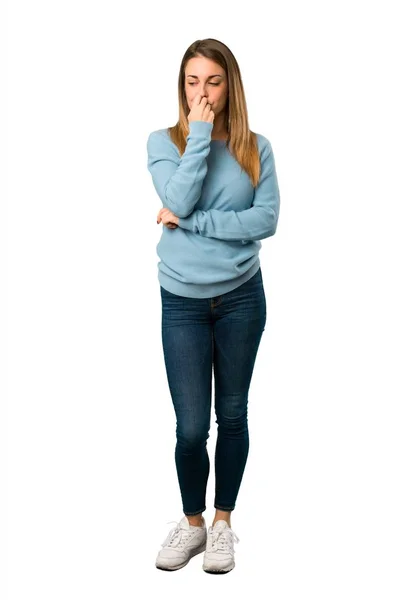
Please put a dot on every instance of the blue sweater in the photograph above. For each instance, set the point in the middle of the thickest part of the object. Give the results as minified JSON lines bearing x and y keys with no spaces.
{"x":222,"y":218}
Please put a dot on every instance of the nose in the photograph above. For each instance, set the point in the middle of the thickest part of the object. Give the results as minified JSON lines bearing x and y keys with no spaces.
{"x":203,"y":91}
{"x":203,"y":94}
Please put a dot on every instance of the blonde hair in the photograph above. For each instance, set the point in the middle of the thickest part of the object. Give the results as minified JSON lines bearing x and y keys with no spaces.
{"x":241,"y":141}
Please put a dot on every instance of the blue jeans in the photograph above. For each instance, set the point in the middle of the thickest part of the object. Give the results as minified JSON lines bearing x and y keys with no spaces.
{"x":198,"y":334}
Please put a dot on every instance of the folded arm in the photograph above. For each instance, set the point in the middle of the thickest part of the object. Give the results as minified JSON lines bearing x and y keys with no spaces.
{"x":255,"y":223}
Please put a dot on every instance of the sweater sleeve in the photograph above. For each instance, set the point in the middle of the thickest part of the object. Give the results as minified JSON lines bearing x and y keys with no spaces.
{"x":255,"y":223}
{"x":178,"y":179}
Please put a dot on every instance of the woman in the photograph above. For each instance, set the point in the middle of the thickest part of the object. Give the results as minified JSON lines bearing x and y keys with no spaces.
{"x":218,"y":186}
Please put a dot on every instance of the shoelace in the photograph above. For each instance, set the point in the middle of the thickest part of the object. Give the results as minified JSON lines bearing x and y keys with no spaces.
{"x":177,"y":537}
{"x":222,"y":541}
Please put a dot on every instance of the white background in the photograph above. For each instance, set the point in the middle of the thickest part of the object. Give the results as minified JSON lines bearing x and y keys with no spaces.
{"x":89,"y":456}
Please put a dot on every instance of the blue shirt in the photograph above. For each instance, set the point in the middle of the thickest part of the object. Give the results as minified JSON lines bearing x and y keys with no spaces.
{"x":222,"y":218}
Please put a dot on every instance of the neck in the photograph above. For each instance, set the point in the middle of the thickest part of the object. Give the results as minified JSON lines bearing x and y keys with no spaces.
{"x":219,"y":130}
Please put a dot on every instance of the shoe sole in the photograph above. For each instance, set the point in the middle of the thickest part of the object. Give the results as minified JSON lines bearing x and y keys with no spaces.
{"x":175,"y":568}
{"x":219,"y":571}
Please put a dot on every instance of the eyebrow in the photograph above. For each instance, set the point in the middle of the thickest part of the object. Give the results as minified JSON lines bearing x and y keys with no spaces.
{"x":211,"y":76}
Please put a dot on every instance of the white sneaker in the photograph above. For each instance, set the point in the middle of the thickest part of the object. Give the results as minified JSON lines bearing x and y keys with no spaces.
{"x":182,"y":543}
{"x":219,"y":554}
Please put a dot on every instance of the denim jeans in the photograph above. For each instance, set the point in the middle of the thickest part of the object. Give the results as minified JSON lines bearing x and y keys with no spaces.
{"x":199,"y":334}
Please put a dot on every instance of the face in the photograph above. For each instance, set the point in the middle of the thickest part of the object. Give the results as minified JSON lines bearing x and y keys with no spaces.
{"x":204,"y":76}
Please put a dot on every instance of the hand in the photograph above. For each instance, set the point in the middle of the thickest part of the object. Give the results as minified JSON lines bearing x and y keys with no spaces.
{"x":168,"y":218}
{"x":201,"y":110}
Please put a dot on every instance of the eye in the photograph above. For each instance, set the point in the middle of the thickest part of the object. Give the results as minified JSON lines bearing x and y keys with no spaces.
{"x":193,"y":83}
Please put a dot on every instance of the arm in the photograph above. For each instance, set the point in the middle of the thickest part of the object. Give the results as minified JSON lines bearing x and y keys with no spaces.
{"x":178,"y":179}
{"x":255,"y":223}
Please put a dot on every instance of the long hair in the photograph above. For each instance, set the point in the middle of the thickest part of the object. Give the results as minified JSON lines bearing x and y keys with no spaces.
{"x":241,"y":141}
